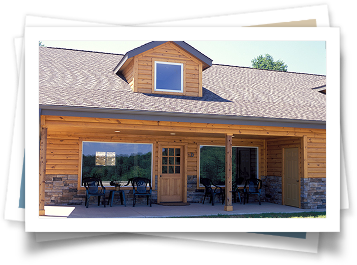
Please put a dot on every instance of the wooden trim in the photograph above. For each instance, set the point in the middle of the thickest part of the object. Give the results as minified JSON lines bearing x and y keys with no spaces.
{"x":185,"y":159}
{"x":305,"y":159}
{"x":283,"y":176}
{"x":228,"y":178}
{"x":159,"y":169}
{"x":200,"y":80}
{"x":79,"y":184}
{"x":136,"y":74}
{"x":198,"y":165}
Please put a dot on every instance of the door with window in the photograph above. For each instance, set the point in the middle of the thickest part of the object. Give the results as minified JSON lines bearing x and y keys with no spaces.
{"x":291,"y":176}
{"x":171,"y":172}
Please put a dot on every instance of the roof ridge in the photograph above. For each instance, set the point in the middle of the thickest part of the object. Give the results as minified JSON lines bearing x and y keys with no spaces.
{"x":68,"y":49}
{"x":265,"y":69}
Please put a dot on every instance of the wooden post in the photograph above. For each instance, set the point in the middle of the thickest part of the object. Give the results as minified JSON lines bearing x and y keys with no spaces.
{"x":228,"y":190}
{"x":42,"y":171}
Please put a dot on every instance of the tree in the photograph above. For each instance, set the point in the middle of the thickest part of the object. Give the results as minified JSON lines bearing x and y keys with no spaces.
{"x":267,"y":62}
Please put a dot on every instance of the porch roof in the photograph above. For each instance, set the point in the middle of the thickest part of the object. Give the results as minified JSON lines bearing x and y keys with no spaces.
{"x":71,"y":79}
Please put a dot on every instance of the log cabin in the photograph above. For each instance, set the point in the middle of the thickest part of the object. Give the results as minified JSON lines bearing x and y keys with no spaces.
{"x":164,"y":111}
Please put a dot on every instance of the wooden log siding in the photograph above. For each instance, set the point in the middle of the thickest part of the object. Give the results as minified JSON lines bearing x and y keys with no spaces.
{"x":65,"y":134}
{"x":140,"y":71}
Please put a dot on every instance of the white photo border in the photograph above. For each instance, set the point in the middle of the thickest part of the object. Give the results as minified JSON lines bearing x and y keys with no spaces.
{"x":36,"y":224}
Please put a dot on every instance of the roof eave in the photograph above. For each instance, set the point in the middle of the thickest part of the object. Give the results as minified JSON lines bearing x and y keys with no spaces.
{"x":178,"y":116}
{"x":150,"y":45}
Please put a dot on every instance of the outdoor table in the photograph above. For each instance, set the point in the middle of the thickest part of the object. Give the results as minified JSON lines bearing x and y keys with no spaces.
{"x":122,"y":197}
{"x":223,"y":190}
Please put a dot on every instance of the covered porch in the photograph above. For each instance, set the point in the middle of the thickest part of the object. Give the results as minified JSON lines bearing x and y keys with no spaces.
{"x":63,"y":140}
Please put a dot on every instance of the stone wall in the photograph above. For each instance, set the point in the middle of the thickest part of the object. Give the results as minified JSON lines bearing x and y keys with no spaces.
{"x":62,"y":190}
{"x":313,"y":193}
{"x":272,"y":188}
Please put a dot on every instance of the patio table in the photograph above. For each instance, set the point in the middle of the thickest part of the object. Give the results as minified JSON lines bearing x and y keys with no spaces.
{"x":122,"y":197}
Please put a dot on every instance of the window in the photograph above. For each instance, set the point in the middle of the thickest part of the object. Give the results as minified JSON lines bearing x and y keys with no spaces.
{"x":244,"y":163}
{"x":116,"y":161}
{"x":105,"y":158}
{"x":169,"y":77}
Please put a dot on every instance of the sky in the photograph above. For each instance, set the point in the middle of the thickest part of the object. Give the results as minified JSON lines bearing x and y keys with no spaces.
{"x":300,"y":56}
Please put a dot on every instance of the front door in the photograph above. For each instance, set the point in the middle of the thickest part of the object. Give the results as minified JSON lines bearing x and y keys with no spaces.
{"x":291,"y":177}
{"x":170,"y":188}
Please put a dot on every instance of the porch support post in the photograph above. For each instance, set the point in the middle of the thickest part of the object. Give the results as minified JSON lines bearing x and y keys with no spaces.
{"x":228,"y":180}
{"x":42,"y":170}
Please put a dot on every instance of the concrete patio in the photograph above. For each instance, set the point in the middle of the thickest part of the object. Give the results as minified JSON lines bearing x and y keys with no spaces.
{"x":160,"y":211}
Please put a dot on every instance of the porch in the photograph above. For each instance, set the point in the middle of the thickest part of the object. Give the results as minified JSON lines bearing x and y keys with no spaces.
{"x":160,"y":211}
{"x":173,"y":156}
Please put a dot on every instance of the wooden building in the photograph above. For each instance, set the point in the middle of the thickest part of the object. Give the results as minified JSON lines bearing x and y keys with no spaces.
{"x":165,"y":112}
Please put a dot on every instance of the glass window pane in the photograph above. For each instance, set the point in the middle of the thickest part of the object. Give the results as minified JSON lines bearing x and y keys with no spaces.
{"x":164,"y":160}
{"x":171,"y":169}
{"x":164,"y":152}
{"x":164,"y":169}
{"x":177,"y":152}
{"x":212,"y":163}
{"x":100,"y":158}
{"x":177,"y":160}
{"x":110,"y":158}
{"x":171,"y":151}
{"x":171,"y":160}
{"x":177,"y":169}
{"x":168,"y":77}
{"x":116,"y":161}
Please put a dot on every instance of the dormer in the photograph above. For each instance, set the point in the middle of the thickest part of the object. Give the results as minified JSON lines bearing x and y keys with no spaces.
{"x":164,"y":67}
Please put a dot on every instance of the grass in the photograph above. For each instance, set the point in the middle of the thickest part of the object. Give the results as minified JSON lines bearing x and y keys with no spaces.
{"x":264,"y":215}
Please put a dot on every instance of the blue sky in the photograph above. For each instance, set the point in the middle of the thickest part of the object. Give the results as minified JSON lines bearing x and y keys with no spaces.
{"x":300,"y":56}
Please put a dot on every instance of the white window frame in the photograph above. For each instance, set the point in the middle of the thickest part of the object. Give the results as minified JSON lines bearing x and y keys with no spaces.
{"x":168,"y":90}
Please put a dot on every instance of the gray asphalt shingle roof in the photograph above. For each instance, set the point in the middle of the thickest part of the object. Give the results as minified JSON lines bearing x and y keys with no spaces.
{"x":86,"y":79}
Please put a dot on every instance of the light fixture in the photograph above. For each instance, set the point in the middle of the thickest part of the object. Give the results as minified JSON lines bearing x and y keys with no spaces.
{"x":173,"y":133}
{"x":117,"y":131}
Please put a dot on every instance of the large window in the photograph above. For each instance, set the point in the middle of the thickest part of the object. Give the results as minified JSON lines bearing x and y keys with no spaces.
{"x":169,"y":77}
{"x":116,"y":161}
{"x":244,"y":163}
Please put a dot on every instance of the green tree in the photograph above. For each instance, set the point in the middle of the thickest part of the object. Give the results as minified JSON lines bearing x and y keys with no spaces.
{"x":267,"y":62}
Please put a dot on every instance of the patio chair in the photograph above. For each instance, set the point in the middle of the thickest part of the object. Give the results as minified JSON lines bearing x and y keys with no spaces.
{"x":92,"y":189}
{"x":139,"y":189}
{"x":252,"y":186}
{"x":211,"y":190}
{"x":236,"y":191}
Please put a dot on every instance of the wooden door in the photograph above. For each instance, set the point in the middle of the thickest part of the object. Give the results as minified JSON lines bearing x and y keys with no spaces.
{"x":291,"y":176}
{"x":171,"y":188}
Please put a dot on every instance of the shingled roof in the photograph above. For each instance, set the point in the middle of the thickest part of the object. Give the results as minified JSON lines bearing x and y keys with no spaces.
{"x":72,"y":78}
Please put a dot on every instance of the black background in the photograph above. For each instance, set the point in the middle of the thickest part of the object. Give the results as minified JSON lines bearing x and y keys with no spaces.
{"x":138,"y":248}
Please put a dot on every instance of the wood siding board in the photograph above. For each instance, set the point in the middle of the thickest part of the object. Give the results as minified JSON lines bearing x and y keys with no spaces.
{"x":66,"y":143}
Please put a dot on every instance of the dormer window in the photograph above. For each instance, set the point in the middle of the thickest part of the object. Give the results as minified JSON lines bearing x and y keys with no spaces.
{"x":164,"y":67}
{"x":168,"y":77}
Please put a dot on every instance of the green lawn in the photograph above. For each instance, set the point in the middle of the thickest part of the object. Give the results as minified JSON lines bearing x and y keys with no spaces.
{"x":265,"y":215}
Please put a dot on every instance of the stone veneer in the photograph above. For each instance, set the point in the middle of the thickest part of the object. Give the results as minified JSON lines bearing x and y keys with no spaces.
{"x":313,"y":193}
{"x":272,"y":188}
{"x":62,"y":190}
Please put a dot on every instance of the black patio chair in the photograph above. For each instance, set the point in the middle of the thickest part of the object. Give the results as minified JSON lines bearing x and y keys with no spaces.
{"x":92,"y":189}
{"x":236,"y":192}
{"x":211,"y":190}
{"x":140,"y":189}
{"x":252,"y":186}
